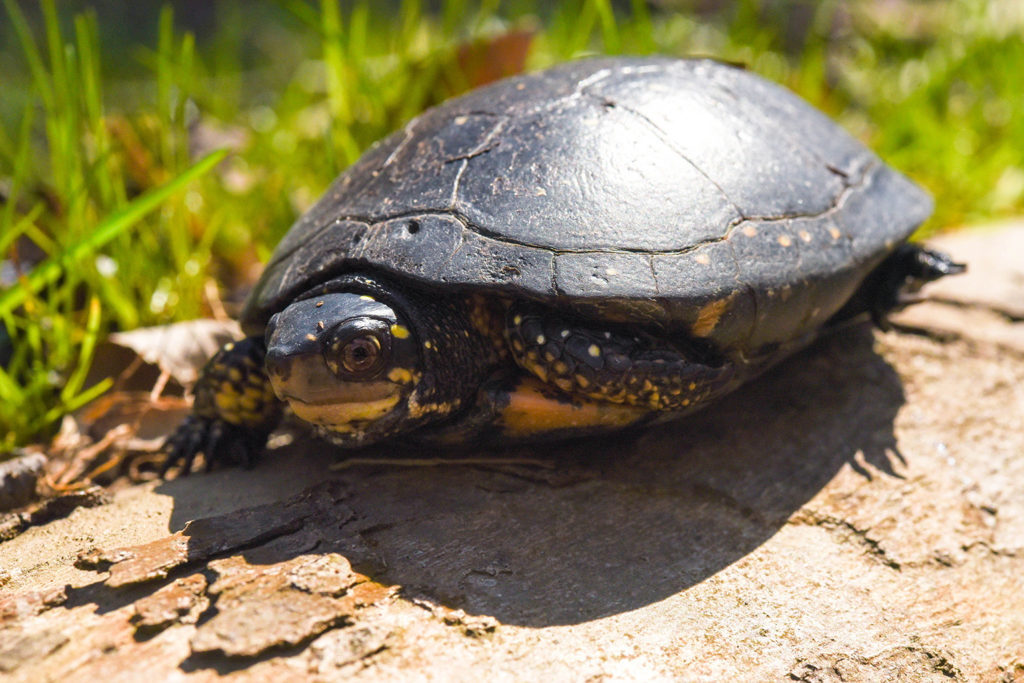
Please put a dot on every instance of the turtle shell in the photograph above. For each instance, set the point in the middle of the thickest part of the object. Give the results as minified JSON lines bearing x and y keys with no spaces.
{"x":688,"y":195}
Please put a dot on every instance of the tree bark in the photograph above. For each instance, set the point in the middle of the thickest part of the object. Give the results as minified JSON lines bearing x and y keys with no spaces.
{"x":857,"y":514}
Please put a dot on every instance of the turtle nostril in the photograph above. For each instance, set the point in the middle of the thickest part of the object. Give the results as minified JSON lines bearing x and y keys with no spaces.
{"x":278,"y":366}
{"x":271,"y":326}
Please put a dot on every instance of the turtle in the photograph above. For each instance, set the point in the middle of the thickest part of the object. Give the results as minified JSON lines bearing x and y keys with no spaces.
{"x":604,"y":244}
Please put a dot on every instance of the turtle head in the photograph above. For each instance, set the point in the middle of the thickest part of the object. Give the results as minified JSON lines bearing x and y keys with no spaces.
{"x":346,"y":363}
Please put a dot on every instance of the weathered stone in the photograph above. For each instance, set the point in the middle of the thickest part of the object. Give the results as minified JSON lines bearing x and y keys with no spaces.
{"x":18,"y":479}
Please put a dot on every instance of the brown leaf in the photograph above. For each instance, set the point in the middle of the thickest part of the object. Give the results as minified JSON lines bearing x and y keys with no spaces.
{"x":179,"y":349}
{"x":484,"y":61}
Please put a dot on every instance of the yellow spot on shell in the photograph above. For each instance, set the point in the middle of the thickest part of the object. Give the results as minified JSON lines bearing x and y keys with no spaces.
{"x":364,"y":297}
{"x":702,"y":259}
{"x":229,"y":346}
{"x":834,"y":232}
{"x":805,"y":236}
{"x":319,"y":304}
{"x":594,"y":350}
{"x":399,"y":331}
{"x":750,"y":231}
{"x":311,"y":337}
{"x":785,"y":241}
{"x":709,"y":315}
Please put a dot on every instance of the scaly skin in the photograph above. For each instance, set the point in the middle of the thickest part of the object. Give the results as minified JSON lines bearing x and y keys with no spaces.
{"x":234,"y":412}
{"x":615,"y":367}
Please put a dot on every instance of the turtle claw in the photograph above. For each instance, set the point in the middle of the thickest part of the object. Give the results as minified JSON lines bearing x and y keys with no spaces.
{"x":220,"y":442}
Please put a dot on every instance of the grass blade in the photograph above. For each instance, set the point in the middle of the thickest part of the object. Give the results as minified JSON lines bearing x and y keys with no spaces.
{"x":51,"y":269}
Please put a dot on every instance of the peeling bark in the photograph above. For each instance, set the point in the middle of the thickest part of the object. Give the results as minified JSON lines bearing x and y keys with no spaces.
{"x":855,"y":515}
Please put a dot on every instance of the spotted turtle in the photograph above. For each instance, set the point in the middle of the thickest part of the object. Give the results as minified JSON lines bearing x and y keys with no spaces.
{"x":602,"y":244}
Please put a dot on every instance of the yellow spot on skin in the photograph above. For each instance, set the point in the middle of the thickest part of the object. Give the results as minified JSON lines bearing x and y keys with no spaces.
{"x":686,"y":401}
{"x":399,"y":331}
{"x":594,"y":350}
{"x":540,"y":339}
{"x":400,"y":376}
{"x":311,"y":337}
{"x":693,"y":385}
{"x":805,"y":236}
{"x":364,"y":297}
{"x":517,"y":320}
{"x":427,"y":345}
{"x":750,"y":231}
{"x":531,"y":411}
{"x":582,"y":381}
{"x":565,"y":333}
{"x":561,"y":368}
{"x":229,"y":346}
{"x":835,"y":233}
{"x":702,"y":259}
{"x":785,"y":241}
{"x":709,"y":315}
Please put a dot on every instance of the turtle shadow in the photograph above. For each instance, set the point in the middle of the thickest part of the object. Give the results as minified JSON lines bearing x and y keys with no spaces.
{"x":615,"y":524}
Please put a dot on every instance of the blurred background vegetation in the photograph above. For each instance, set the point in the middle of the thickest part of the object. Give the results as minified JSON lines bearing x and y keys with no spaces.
{"x":114,"y":215}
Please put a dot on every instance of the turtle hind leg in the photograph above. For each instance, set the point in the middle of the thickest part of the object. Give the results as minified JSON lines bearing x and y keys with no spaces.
{"x":617,"y":366}
{"x":235,"y":410}
{"x":892,"y":284}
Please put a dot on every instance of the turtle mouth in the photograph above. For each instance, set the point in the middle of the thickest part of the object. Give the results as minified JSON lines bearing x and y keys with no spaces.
{"x":343,"y":416}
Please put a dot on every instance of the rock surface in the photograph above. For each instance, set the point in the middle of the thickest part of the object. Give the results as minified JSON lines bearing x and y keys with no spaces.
{"x":857,"y":515}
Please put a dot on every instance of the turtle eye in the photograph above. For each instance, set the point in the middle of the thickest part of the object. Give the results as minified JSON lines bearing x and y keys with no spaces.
{"x":358,"y":349}
{"x":361,"y":354}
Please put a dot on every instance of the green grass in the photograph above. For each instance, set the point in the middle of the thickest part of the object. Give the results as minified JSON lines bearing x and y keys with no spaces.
{"x":110,"y":197}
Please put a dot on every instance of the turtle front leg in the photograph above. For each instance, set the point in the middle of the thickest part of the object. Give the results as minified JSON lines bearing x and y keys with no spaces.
{"x":615,"y":366}
{"x":234,"y":412}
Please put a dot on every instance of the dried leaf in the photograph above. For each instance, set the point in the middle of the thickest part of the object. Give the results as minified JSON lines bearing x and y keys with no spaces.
{"x":180,"y":349}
